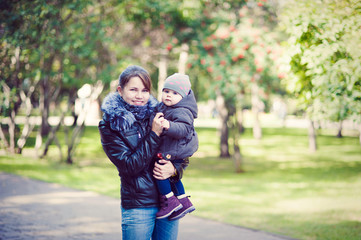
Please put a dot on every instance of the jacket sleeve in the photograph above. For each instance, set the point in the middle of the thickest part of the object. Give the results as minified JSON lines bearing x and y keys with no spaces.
{"x":181,"y":125}
{"x":180,"y":167}
{"x":129,"y":162}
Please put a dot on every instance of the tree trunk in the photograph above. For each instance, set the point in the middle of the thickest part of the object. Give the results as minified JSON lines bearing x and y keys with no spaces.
{"x":12,"y":129}
{"x":46,"y":64}
{"x":14,"y":110}
{"x":12,"y":97}
{"x":71,"y":105}
{"x":78,"y":130}
{"x":3,"y":139}
{"x":257,"y":130}
{"x":44,"y":106}
{"x":183,"y":58}
{"x":339,"y":129}
{"x":237,"y":156}
{"x":223,"y":114}
{"x":240,"y":120}
{"x":11,"y":123}
{"x":162,"y":65}
{"x":312,"y":137}
{"x":38,"y":142}
{"x":52,"y":137}
{"x":28,"y":128}
{"x":45,"y":99}
{"x":224,"y":139}
{"x":76,"y":135}
{"x":359,"y":133}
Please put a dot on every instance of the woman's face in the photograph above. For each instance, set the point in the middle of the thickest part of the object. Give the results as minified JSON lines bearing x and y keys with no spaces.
{"x":134,"y":92}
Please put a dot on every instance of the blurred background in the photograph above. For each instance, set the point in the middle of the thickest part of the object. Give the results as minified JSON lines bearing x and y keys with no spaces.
{"x":278,"y":86}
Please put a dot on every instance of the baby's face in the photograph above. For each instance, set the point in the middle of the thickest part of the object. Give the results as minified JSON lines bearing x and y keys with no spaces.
{"x":170,"y":97}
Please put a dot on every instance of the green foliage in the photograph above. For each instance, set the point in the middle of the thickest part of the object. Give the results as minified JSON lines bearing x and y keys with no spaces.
{"x":184,"y":20}
{"x":68,"y":37}
{"x":57,"y":46}
{"x":325,"y":65}
{"x":239,"y":48}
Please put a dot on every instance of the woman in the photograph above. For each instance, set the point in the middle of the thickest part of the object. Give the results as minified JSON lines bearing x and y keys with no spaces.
{"x":131,"y":143}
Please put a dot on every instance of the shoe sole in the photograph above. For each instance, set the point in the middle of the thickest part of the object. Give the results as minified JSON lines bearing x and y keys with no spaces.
{"x":167,"y":215}
{"x":182,"y":214}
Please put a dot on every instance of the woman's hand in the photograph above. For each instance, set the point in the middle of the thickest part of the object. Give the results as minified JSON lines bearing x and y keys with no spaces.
{"x":157,"y":123}
{"x":163,"y":170}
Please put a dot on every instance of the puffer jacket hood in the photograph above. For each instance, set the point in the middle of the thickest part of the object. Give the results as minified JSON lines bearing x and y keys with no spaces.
{"x":189,"y":102}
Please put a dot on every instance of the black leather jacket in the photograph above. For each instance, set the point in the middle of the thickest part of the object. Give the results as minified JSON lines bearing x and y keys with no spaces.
{"x":133,"y":152}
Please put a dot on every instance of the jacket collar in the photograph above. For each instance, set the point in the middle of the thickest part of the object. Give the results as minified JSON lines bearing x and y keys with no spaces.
{"x":120,"y":118}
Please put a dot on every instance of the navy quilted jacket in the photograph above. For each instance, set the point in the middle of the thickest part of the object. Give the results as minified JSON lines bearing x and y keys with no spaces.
{"x":180,"y":141}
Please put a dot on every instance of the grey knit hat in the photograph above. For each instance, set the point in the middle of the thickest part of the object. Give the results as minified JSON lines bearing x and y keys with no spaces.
{"x":179,"y":83}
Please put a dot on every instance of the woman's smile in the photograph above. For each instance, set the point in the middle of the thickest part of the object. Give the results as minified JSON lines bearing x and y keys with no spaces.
{"x":138,"y":102}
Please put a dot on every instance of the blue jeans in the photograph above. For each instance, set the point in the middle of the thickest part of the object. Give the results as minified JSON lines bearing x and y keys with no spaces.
{"x":141,"y":224}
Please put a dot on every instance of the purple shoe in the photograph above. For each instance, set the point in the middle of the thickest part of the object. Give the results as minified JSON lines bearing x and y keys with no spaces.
{"x":168,"y":206}
{"x":187,"y":208}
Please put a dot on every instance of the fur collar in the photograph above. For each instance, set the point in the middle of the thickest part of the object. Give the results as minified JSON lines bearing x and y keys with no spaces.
{"x":121,"y":115}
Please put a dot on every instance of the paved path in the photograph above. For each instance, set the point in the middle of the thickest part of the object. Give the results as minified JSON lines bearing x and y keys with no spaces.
{"x":31,"y":209}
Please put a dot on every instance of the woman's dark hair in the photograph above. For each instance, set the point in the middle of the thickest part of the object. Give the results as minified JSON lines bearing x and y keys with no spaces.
{"x":135,"y":71}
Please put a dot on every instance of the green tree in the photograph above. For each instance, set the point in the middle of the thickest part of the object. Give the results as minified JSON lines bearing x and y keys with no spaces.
{"x":168,"y":29}
{"x":324,"y":63}
{"x":239,"y":60}
{"x":56,"y":45}
{"x":186,"y":23}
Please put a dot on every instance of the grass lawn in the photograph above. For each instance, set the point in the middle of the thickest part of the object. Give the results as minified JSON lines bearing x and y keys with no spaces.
{"x":285,"y":189}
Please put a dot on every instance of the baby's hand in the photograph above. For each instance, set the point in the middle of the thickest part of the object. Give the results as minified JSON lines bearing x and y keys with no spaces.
{"x":165,"y":124}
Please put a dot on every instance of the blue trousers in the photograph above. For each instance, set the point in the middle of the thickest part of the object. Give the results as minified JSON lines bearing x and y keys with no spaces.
{"x":165,"y":187}
{"x":141,"y":224}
